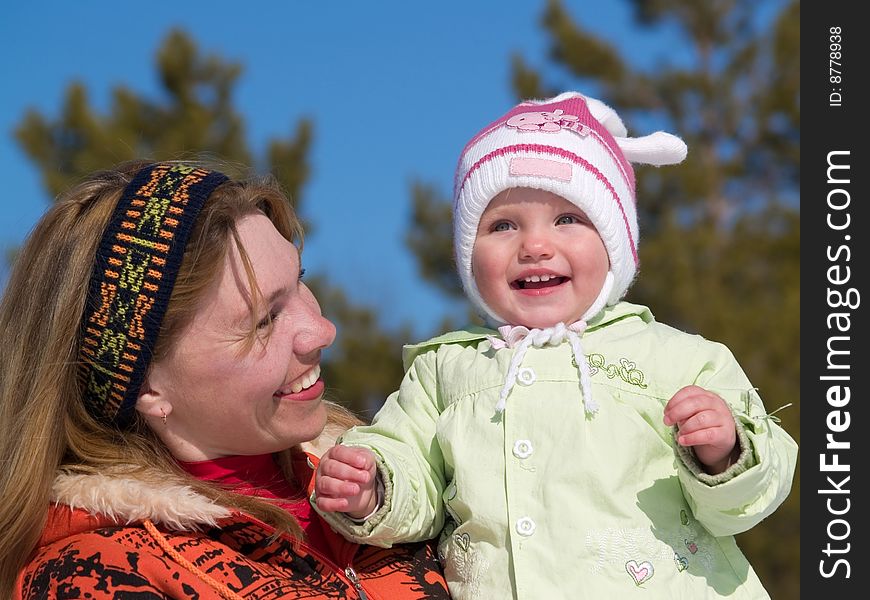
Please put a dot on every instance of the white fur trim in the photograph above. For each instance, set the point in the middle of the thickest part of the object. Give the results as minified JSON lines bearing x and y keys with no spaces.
{"x":126,"y":500}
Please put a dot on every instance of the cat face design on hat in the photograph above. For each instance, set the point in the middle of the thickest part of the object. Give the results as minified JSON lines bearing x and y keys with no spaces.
{"x":575,"y":147}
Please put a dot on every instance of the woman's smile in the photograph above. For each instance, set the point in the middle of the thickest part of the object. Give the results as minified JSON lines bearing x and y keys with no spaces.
{"x":307,"y":387}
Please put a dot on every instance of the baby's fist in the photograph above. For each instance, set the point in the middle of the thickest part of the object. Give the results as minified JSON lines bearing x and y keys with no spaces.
{"x":705,"y":423}
{"x":346,"y":481}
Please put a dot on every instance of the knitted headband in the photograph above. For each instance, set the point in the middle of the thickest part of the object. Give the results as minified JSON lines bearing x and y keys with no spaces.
{"x":575,"y":147}
{"x":134,"y":273}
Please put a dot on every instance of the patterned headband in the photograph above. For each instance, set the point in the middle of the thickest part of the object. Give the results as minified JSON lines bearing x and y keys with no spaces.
{"x":136,"y":264}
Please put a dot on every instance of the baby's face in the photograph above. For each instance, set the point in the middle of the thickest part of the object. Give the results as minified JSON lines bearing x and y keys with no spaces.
{"x":537,"y":259}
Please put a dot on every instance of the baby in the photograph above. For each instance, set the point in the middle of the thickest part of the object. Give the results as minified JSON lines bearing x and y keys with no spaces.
{"x":577,"y":447}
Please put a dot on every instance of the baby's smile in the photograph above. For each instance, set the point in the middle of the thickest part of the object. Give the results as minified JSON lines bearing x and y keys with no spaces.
{"x":536,"y":282}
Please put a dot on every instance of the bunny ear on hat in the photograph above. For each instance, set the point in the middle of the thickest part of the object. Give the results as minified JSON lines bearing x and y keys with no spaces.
{"x":659,"y":148}
{"x":606,"y":116}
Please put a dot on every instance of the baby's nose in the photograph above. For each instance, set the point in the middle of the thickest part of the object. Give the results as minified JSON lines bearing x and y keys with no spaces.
{"x":536,"y":247}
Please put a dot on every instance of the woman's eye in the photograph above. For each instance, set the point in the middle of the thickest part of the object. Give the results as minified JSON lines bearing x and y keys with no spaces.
{"x":301,"y":273}
{"x":267,"y":320}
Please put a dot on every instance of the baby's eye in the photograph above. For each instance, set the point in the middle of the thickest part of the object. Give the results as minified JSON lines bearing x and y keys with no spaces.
{"x":568,"y":220}
{"x":501,"y":226}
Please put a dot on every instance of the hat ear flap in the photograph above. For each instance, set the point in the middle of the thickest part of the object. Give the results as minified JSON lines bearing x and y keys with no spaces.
{"x":659,"y":148}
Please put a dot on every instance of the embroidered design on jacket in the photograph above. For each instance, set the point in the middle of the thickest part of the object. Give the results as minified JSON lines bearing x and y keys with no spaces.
{"x":458,"y":561}
{"x":626,"y":370}
{"x":692,"y":534}
{"x":682,"y":562}
{"x":612,"y":545}
{"x":639,"y":571}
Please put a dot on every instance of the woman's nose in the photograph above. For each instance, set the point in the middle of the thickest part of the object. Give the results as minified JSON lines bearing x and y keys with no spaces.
{"x":317,"y":333}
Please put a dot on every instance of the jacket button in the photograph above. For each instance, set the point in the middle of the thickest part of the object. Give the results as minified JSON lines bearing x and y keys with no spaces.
{"x":526,"y":376}
{"x":523,"y":448}
{"x":525,"y":526}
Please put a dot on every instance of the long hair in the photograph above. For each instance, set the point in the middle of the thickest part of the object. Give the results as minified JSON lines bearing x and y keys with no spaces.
{"x":44,"y":427}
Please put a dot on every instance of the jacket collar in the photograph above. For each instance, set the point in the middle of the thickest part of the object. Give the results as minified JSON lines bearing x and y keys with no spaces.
{"x":608,"y":316}
{"x":86,"y":501}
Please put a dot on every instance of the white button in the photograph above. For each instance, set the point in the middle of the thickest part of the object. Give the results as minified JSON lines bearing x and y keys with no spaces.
{"x":525,"y":526}
{"x":523,"y":449}
{"x":526,"y":376}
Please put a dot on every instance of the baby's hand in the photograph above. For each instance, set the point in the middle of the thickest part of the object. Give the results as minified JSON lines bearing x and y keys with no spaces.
{"x":346,"y":481}
{"x":704,"y":422}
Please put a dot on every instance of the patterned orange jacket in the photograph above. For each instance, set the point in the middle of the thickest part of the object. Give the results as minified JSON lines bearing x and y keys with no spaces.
{"x":113,"y":537}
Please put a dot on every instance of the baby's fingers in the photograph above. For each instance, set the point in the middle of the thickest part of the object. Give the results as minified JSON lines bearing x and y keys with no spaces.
{"x":360,"y":458}
{"x":690,"y":401}
{"x":327,"y":504}
{"x":708,"y":436}
{"x":338,"y":470}
{"x":329,"y":487}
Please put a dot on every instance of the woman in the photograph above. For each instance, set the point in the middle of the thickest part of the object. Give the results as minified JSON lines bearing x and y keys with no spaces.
{"x":160,"y":374}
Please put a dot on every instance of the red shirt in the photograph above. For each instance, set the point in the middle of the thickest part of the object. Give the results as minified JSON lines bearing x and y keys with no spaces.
{"x":261,"y":476}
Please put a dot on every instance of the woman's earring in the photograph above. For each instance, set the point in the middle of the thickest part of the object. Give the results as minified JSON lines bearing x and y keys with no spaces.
{"x":163,"y":414}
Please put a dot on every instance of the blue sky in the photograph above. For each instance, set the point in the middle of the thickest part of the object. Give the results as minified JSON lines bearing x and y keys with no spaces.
{"x":395,"y":90}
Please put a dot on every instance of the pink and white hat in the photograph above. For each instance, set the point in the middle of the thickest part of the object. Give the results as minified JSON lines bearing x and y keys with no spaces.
{"x":573,"y":146}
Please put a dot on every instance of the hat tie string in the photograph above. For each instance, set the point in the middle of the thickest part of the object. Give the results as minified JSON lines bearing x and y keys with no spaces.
{"x":522,"y":338}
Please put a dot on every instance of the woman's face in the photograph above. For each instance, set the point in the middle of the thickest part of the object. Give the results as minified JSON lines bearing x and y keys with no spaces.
{"x":221,"y":399}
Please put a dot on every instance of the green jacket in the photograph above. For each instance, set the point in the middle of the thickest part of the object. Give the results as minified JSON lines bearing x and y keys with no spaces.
{"x":547,"y":502}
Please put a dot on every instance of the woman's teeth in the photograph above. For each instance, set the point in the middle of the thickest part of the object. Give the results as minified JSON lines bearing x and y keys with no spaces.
{"x":306,"y":381}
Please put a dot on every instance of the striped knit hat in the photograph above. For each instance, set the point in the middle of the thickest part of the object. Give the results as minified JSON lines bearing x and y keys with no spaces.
{"x":134,"y":272}
{"x":575,"y":147}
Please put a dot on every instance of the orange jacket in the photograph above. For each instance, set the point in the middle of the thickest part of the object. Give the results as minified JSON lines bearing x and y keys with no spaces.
{"x":132,"y":538}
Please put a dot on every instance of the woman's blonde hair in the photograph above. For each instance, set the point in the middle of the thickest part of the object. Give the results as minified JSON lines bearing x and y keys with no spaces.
{"x":44,"y":427}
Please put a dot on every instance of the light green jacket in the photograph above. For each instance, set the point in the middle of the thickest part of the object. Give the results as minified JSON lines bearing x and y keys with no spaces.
{"x":547,"y":502}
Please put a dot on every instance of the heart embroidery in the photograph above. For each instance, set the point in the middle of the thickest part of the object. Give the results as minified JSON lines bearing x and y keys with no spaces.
{"x":462,"y":541}
{"x":627,"y":364}
{"x":682,"y":562}
{"x":640,"y":572}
